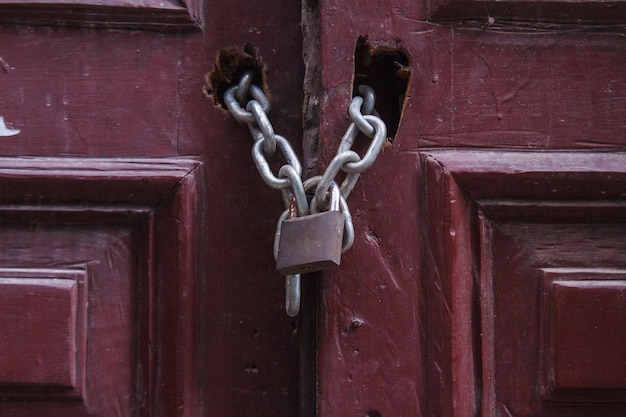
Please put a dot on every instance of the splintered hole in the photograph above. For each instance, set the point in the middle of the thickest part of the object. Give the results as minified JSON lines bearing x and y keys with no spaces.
{"x":230,"y":65}
{"x":387,"y":70}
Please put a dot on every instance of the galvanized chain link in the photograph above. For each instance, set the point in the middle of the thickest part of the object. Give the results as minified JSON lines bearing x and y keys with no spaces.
{"x":289,"y":179}
{"x":346,"y":159}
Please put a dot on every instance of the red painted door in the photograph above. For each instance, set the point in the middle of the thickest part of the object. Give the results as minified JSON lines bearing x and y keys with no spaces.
{"x":487,"y":276}
{"x":136,"y":268}
{"x":488,"y":273}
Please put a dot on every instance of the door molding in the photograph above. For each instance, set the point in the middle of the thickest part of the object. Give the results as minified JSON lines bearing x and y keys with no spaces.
{"x":133,"y":228}
{"x":488,"y":205}
{"x":163,"y":15}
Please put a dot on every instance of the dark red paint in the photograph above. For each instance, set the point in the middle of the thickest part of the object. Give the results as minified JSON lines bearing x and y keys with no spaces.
{"x":48,"y":308}
{"x":476,"y":230}
{"x":484,"y":187}
{"x":161,"y":15}
{"x":124,"y":171}
{"x":588,"y":341}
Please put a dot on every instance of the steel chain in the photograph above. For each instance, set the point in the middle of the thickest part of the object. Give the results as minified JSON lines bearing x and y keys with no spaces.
{"x":289,"y":179}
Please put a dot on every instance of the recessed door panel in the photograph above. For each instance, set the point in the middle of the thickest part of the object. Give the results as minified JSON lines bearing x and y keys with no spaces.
{"x":528,"y":283}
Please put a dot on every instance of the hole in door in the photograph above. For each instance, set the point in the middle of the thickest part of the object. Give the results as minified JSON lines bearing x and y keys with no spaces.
{"x":230,"y":65}
{"x":387,"y":70}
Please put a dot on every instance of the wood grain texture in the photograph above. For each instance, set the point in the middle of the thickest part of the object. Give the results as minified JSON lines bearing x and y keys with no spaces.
{"x":252,"y":347}
{"x":517,"y":287}
{"x":140,"y":282}
{"x":105,"y":254}
{"x":491,"y":315}
{"x":39,"y":326}
{"x":370,"y":308}
{"x":576,"y":281}
{"x":587,"y":344}
{"x":102,"y":93}
{"x":599,"y":12}
{"x":529,"y":85}
{"x":505,"y":87}
{"x":451,"y":257}
{"x":104,"y":100}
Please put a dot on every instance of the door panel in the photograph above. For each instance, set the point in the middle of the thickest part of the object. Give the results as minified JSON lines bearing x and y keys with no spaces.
{"x":168,"y":15}
{"x":512,"y":126}
{"x":587,"y":303}
{"x":554,"y":326}
{"x":526,"y":287}
{"x":116,"y":137}
{"x":87,"y":269}
{"x":53,"y":302}
{"x":101,"y":97}
{"x":528,"y":12}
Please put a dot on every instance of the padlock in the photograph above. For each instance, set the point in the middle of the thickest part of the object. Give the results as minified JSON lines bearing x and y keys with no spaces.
{"x":312,"y":243}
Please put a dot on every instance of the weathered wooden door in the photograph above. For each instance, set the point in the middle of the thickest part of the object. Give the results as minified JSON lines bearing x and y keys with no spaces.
{"x":136,"y":269}
{"x":488,"y":277}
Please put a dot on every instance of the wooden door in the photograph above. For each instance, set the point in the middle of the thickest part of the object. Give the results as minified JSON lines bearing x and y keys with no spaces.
{"x":136,"y":268}
{"x":488,"y":274}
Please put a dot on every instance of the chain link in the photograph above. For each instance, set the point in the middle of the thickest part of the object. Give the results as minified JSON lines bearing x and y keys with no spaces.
{"x":263,"y":165}
{"x":289,"y":179}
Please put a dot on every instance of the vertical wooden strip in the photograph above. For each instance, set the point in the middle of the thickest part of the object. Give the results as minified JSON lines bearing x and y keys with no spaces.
{"x":486,"y":297}
{"x":458,"y":239}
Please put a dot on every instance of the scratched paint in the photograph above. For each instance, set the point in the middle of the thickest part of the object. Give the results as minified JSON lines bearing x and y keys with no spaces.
{"x":5,"y":130}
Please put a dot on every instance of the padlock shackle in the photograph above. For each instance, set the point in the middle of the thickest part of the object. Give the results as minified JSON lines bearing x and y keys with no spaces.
{"x":335,"y":197}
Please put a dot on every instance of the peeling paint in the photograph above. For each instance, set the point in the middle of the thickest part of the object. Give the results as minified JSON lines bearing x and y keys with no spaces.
{"x":5,"y":66}
{"x":7,"y":131}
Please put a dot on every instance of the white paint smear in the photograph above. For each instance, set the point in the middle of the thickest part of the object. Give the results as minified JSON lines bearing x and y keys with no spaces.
{"x":7,"y":131}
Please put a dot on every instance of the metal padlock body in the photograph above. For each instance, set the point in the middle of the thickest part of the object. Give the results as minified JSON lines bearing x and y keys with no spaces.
{"x":310,"y":243}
